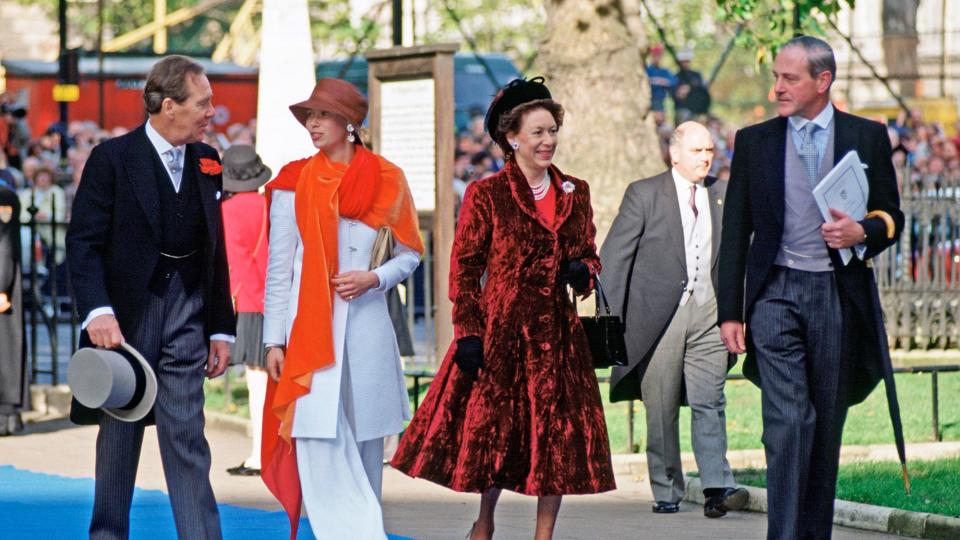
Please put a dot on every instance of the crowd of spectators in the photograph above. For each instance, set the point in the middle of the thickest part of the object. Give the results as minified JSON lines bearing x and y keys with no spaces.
{"x":31,"y":164}
{"x":35,"y":167}
{"x":927,"y":160}
{"x":46,"y":179}
{"x":923,"y":152}
{"x":476,"y":156}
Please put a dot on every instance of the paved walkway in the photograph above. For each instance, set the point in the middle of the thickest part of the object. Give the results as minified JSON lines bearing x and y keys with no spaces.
{"x":413,"y":508}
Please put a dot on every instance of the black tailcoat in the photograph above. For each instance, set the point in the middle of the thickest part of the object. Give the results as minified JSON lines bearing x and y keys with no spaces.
{"x":753,"y":228}
{"x":114,"y":239}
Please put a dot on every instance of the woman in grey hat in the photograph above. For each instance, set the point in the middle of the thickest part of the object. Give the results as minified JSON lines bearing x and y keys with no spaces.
{"x":245,"y":230}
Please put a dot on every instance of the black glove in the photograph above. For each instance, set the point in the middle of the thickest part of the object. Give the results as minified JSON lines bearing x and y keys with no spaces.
{"x":576,"y":274}
{"x":469,"y":354}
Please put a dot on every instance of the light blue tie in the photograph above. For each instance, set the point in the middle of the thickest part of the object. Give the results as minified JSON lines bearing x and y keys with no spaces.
{"x":173,"y":160}
{"x":808,"y":152}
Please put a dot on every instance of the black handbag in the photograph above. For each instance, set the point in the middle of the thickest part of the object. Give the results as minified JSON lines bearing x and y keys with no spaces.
{"x":604,"y":333}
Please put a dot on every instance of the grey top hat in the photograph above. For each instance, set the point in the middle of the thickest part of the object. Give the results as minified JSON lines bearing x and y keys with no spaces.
{"x":122,"y":384}
{"x":243,"y":170}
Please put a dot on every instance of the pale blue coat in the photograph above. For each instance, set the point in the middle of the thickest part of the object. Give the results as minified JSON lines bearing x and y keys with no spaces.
{"x":361,"y":326}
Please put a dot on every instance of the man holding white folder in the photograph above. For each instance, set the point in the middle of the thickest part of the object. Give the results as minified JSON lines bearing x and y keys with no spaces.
{"x":811,"y":325}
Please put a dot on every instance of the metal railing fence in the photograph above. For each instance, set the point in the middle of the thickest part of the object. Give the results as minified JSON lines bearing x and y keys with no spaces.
{"x":918,"y":279}
{"x":48,"y":293}
{"x":418,"y":375}
{"x":919,"y":276}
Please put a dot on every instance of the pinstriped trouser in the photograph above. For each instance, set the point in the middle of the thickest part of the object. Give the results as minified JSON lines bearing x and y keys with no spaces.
{"x":797,"y":331}
{"x":171,"y":337}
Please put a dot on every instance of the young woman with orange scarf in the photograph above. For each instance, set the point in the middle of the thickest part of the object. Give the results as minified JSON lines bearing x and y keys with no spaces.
{"x":337,"y":385}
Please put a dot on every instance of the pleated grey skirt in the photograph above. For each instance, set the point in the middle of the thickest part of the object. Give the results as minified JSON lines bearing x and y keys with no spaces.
{"x":248,"y":349}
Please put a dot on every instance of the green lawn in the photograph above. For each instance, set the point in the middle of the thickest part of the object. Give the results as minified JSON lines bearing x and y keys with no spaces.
{"x":934,"y":484}
{"x":867,"y":423}
{"x":217,"y":396}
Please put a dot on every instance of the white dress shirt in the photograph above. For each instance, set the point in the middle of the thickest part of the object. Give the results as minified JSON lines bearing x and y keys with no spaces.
{"x":697,"y":240}
{"x":820,"y":137}
{"x":162,"y":147}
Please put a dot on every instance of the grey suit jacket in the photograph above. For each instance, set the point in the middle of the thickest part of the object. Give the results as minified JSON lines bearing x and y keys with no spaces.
{"x":645,"y":269}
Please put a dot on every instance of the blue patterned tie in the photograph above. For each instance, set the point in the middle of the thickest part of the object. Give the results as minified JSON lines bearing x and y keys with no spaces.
{"x":173,"y":160}
{"x":808,"y":152}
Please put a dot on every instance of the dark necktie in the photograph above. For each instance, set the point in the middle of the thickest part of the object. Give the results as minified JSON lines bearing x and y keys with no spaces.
{"x":693,"y":201}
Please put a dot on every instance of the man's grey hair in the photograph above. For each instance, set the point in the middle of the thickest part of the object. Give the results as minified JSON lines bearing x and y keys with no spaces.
{"x":168,"y":79}
{"x":819,"y":55}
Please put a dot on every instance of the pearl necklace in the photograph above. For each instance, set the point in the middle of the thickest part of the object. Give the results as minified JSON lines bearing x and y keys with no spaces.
{"x":540,"y":190}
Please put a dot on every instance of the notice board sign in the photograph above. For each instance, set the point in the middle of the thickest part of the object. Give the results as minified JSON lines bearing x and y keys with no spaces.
{"x":412,"y":125}
{"x":408,"y":136}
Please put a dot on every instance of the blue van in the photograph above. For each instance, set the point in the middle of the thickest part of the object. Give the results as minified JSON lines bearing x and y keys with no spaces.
{"x":472,"y":87}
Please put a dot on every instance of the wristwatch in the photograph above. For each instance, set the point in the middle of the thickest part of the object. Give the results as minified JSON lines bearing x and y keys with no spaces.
{"x":266,"y":348}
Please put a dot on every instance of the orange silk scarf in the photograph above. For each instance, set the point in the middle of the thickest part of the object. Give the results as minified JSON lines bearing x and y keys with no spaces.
{"x":369,"y":189}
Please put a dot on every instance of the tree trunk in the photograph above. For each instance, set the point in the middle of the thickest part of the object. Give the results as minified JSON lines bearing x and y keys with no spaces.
{"x":900,"y":43}
{"x":594,"y":67}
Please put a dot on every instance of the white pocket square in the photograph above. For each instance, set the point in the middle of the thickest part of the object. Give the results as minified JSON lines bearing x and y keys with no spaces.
{"x":218,"y":195}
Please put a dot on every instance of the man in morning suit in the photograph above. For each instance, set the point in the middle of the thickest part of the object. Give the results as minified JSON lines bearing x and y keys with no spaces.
{"x":147,"y":259}
{"x":659,"y":268}
{"x":810,"y":325}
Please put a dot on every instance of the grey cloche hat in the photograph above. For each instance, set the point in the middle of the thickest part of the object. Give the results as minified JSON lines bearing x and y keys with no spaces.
{"x":243,"y":170}
{"x":120,"y":382}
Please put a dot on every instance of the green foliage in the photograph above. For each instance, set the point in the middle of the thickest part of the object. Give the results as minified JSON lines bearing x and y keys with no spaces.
{"x":330,"y":23}
{"x":741,"y":83}
{"x":771,"y":23}
{"x":512,"y":27}
{"x":334,"y":33}
{"x":933,"y":485}
{"x":197,"y":35}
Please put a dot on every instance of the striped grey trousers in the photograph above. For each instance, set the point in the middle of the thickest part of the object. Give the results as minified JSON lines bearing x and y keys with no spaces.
{"x":797,"y":330}
{"x":171,"y":337}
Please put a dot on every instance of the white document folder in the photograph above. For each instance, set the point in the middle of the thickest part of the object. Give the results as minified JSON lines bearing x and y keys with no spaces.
{"x":844,"y":188}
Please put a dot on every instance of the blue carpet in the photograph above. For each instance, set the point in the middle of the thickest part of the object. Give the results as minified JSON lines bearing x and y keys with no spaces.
{"x":34,"y":505}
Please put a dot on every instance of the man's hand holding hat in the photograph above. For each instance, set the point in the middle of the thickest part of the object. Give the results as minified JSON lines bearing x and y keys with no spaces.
{"x":104,"y":332}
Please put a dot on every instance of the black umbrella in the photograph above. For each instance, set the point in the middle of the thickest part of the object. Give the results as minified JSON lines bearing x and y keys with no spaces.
{"x":893,"y":405}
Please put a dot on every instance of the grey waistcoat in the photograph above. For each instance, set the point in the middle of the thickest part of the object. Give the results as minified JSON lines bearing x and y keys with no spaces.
{"x":802,"y":247}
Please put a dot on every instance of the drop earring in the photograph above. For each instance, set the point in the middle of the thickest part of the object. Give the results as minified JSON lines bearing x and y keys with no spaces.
{"x":350,"y":136}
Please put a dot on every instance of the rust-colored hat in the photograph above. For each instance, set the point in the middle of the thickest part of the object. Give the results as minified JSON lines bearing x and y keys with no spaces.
{"x":336,"y":96}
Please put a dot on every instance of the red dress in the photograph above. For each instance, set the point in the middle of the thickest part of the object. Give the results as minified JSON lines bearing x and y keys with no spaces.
{"x":532,"y":422}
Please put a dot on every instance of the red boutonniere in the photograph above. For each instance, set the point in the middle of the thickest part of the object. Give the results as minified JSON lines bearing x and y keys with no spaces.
{"x":210,"y":166}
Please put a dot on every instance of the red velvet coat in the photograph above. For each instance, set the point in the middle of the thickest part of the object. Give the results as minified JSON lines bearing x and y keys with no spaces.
{"x":533,"y":421}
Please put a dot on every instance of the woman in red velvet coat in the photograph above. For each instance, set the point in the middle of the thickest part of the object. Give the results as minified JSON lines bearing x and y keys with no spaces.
{"x":516,"y":404}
